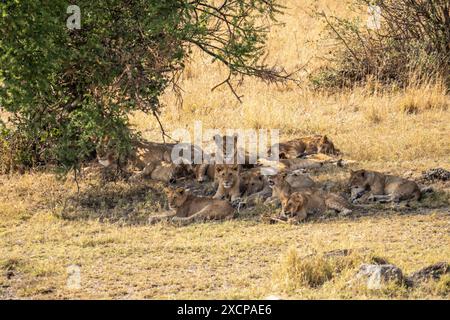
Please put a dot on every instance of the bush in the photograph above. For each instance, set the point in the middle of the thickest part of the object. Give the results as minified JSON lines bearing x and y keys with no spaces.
{"x":413,"y":38}
{"x":66,"y":90}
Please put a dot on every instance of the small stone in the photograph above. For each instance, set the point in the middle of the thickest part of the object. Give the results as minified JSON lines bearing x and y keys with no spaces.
{"x":377,"y":275}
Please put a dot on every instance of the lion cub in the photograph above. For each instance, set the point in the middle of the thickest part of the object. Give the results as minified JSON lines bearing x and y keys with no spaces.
{"x":144,"y":158}
{"x":228,"y":180}
{"x":285,"y":183}
{"x":142,"y":154}
{"x":252,"y":181}
{"x":187,"y":208}
{"x":306,"y":146}
{"x":371,"y":185}
{"x":204,"y":172}
{"x":298,"y":205}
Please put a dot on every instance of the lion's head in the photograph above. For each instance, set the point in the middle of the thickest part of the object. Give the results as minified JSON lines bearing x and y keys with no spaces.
{"x":278,"y":179}
{"x":227,"y":175}
{"x":358,"y":183}
{"x":176,"y":197}
{"x":325,"y":146}
{"x":253,"y":182}
{"x":105,"y":152}
{"x":293,"y":204}
{"x":200,"y":171}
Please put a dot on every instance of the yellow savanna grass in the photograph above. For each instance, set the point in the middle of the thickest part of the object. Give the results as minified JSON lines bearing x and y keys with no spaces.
{"x":369,"y":123}
{"x":236,"y":259}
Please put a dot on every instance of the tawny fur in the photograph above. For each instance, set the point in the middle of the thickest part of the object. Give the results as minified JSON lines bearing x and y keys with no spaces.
{"x":187,"y":208}
{"x":298,"y":205}
{"x":228,"y":180}
{"x":371,"y":185}
{"x":305,"y":146}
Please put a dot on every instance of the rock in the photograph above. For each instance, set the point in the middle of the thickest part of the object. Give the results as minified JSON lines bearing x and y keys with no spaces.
{"x":434,"y":271}
{"x":377,"y":275}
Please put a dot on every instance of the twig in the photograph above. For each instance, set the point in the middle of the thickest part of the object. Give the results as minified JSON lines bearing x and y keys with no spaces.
{"x":163,"y":132}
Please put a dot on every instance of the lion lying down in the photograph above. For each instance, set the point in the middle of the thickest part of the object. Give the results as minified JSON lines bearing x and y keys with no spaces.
{"x":305,"y":197}
{"x":368,"y":185}
{"x":187,"y":208}
{"x":298,"y":205}
{"x":303,"y":146}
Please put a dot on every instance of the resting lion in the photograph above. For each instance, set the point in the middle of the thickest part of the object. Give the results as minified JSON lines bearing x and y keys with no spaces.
{"x":298,"y":205}
{"x":252,"y":181}
{"x":151,"y":159}
{"x":305,"y":146}
{"x":204,"y":172}
{"x":371,"y":185}
{"x":166,"y":172}
{"x":187,"y":208}
{"x":142,"y":153}
{"x":285,"y":183}
{"x":228,"y":180}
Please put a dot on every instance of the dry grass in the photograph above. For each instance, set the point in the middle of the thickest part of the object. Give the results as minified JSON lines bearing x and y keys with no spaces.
{"x":369,"y":123}
{"x":45,"y":226}
{"x":427,"y":97}
{"x":43,"y":231}
{"x":313,"y":275}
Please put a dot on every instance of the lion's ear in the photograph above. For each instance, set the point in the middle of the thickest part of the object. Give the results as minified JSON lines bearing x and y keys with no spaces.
{"x":324,"y":138}
{"x":180,"y":190}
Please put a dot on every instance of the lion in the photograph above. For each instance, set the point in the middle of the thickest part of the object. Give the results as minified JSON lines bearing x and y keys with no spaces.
{"x":304,"y":146}
{"x":151,"y":159}
{"x":285,"y":183}
{"x":167,"y":172}
{"x":297,"y":205}
{"x":228,"y":180}
{"x":371,"y":185}
{"x":187,"y":208}
{"x":251,"y":182}
{"x":203,"y":172}
{"x":142,"y":153}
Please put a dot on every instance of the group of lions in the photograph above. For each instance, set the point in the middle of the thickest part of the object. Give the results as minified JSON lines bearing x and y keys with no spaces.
{"x":283,"y":183}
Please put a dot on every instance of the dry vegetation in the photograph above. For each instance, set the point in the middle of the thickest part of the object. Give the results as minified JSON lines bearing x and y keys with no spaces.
{"x":45,"y":225}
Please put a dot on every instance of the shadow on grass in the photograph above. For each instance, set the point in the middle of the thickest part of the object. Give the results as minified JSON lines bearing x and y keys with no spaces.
{"x":114,"y":202}
{"x":132,"y":203}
